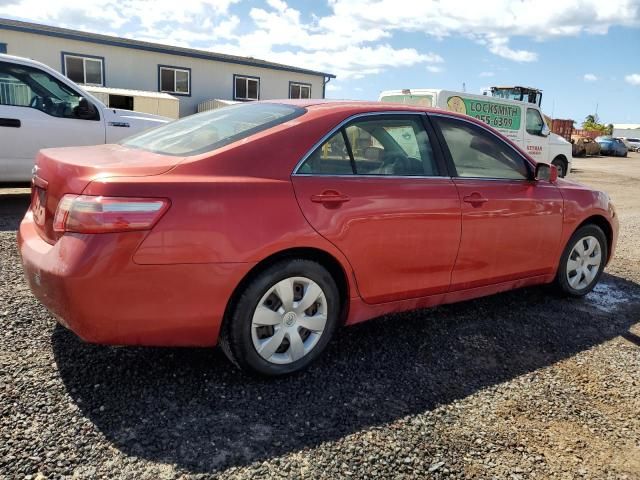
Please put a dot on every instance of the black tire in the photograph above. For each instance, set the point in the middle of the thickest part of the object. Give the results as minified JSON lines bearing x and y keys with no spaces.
{"x":236,"y":335}
{"x":561,"y":165}
{"x":561,"y":283}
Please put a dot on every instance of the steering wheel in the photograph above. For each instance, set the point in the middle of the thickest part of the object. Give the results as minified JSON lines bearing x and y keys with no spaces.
{"x":389,"y":161}
{"x":44,"y":104}
{"x":36,"y":102}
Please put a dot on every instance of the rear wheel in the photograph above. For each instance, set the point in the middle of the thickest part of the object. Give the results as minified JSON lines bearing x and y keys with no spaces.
{"x":582,"y":261}
{"x":283,"y":319}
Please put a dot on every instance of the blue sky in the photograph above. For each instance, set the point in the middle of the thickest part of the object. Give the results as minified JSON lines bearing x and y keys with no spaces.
{"x":580,"y":53}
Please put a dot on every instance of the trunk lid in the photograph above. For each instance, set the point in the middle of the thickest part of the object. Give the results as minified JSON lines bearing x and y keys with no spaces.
{"x":60,"y":171}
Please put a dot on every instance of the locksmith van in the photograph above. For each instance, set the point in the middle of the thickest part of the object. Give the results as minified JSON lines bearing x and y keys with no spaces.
{"x":520,"y":121}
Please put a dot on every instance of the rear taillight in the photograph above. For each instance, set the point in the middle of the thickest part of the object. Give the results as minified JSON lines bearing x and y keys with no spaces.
{"x":91,"y":214}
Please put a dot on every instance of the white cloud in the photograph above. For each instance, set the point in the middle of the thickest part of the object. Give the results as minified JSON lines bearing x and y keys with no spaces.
{"x":354,"y":39}
{"x":435,"y":68}
{"x":633,"y":79}
{"x":500,"y":46}
{"x":486,"y":74}
{"x":332,"y":87}
{"x":590,"y":77}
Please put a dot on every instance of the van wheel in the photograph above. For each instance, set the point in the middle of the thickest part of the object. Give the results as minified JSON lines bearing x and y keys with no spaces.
{"x":283,"y":319}
{"x":561,"y":165}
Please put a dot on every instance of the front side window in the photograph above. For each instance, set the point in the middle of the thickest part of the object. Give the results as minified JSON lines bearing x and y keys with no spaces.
{"x":85,"y":70}
{"x":246,"y":88}
{"x":24,"y":86}
{"x":390,"y":145}
{"x":534,"y":122}
{"x":299,"y":90}
{"x":476,"y":153}
{"x":175,"y":80}
{"x":204,"y":132}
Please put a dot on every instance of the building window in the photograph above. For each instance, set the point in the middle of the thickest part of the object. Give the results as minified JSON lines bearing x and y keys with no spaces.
{"x":84,"y":69}
{"x":246,"y":88}
{"x":299,"y":90}
{"x":175,"y":80}
{"x":3,"y":48}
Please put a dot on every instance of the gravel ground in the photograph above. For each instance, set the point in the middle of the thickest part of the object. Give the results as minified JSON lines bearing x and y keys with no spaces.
{"x":519,"y":385}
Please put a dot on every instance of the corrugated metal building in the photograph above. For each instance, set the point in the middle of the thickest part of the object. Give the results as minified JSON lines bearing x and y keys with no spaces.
{"x":194,"y":76}
{"x":627,"y":130}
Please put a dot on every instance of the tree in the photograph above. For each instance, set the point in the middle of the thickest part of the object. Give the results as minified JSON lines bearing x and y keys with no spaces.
{"x":592,"y":123}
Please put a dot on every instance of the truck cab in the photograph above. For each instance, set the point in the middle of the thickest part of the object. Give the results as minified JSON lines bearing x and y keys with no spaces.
{"x":520,"y":120}
{"x":40,"y":108}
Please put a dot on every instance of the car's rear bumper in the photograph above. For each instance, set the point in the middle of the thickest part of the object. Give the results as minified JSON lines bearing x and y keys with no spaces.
{"x":91,"y":284}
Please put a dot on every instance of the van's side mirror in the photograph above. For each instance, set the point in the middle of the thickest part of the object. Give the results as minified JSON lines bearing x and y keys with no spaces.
{"x":546,"y":172}
{"x":86,"y":110}
{"x":545,"y":130}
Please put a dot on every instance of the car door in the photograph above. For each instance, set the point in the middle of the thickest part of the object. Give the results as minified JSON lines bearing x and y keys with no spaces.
{"x":511,"y":224}
{"x":536,"y":144}
{"x":39,"y":111}
{"x":376,"y":189}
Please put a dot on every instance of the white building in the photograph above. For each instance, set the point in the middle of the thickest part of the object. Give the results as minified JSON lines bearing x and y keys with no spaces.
{"x":195,"y":76}
{"x":627,"y":130}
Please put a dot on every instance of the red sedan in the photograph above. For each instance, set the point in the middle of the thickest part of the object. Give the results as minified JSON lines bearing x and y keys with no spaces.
{"x":264,"y":226}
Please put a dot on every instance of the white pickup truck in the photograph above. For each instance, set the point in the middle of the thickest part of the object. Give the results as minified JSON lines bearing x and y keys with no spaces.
{"x":40,"y":108}
{"x":522,"y":122}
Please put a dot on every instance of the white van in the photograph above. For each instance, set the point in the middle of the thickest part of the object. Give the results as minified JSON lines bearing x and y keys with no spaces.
{"x":40,"y":108}
{"x":520,"y":121}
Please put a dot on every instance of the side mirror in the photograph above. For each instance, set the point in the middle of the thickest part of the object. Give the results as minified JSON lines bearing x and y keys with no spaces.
{"x":546,"y":172}
{"x":545,"y":130}
{"x":85,"y":110}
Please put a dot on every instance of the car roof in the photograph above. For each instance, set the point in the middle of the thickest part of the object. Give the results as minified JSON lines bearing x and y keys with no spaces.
{"x":319,"y":106}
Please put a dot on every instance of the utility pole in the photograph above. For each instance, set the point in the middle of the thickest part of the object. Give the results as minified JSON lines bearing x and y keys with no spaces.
{"x":464,"y":87}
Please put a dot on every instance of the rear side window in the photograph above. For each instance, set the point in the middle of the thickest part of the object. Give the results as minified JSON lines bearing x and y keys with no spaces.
{"x":331,"y":158}
{"x":207,"y":131}
{"x":477,"y":153}
{"x":390,"y":145}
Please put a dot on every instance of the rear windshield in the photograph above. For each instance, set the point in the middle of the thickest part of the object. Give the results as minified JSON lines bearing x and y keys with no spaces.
{"x":207,"y":131}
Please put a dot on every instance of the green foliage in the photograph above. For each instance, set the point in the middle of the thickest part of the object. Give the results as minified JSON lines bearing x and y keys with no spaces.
{"x":592,"y":123}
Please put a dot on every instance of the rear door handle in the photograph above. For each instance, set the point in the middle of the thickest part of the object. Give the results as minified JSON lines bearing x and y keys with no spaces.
{"x":10,"y":122}
{"x":330,"y":197}
{"x":475,"y":199}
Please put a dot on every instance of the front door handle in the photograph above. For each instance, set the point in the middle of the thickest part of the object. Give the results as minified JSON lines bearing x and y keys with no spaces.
{"x":10,"y":122}
{"x":475,"y":199}
{"x":330,"y":197}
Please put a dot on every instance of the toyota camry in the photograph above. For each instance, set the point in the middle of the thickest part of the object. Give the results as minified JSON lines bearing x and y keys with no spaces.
{"x":262,"y":227}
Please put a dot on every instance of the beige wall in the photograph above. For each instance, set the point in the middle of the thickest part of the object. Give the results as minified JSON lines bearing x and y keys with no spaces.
{"x":138,"y":69}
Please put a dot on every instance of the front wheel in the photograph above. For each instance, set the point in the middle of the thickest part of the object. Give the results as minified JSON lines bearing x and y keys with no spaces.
{"x":283,"y":319}
{"x":561,"y":165}
{"x":582,"y":261}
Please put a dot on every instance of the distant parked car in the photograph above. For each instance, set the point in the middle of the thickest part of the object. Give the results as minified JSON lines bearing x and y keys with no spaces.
{"x":612,"y":146}
{"x":633,"y":144}
{"x":582,"y":146}
{"x":40,"y":108}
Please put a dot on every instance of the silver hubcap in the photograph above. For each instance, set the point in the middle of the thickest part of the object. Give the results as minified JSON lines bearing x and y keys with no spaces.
{"x":289,"y":320}
{"x":584,"y":262}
